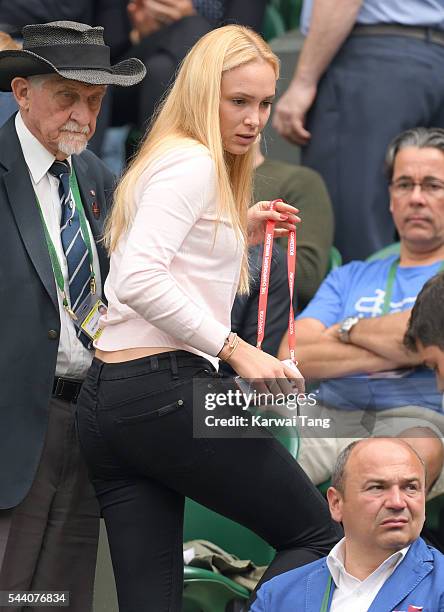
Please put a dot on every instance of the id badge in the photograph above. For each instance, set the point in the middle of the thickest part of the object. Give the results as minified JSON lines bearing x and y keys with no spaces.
{"x":88,"y":315}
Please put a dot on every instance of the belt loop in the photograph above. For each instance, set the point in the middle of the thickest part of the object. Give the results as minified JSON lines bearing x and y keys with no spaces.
{"x":154,"y":363}
{"x":99,"y":370}
{"x":174,"y":368}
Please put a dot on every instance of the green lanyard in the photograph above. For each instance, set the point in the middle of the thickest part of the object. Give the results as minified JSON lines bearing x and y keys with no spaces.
{"x":390,"y":283}
{"x":57,"y":269}
{"x":326,"y":598}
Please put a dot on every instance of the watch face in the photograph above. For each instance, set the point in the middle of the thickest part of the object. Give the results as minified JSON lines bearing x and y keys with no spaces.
{"x":349,"y":322}
{"x":346,"y":326}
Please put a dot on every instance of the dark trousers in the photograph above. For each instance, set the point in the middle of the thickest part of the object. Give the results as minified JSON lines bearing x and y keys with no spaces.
{"x":136,"y":429}
{"x":376,"y":87}
{"x":49,"y":541}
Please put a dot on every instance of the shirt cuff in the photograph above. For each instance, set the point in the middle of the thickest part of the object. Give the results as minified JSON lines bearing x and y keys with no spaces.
{"x":209,"y":337}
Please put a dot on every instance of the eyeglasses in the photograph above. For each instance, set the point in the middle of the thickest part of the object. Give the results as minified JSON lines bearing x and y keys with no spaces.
{"x":432,"y":187}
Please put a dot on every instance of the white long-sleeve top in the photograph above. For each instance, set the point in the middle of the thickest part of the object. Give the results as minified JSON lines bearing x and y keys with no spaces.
{"x":172,"y":279}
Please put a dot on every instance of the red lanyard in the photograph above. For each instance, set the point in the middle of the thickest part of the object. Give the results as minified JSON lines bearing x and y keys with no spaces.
{"x":265,"y":283}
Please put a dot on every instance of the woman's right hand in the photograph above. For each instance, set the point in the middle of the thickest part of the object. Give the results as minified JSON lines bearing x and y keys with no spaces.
{"x":253,"y":364}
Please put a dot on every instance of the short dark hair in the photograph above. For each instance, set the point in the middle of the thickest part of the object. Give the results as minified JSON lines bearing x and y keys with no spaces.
{"x":338,"y":474}
{"x":420,"y":137}
{"x":426,"y":322}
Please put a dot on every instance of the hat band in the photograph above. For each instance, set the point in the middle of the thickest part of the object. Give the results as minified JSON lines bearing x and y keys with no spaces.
{"x":75,"y":57}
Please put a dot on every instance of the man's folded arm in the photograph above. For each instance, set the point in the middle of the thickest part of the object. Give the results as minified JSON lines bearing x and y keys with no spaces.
{"x":322,"y":355}
{"x":384,"y":336}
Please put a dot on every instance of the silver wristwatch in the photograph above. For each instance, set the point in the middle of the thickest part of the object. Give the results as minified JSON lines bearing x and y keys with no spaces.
{"x":345,"y":328}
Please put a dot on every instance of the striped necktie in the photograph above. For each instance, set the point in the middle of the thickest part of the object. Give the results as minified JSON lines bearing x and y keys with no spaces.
{"x":74,"y":247}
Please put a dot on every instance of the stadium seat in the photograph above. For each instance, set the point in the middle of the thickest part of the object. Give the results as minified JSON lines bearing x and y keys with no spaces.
{"x":391,"y":249}
{"x":273,"y":25}
{"x":290,"y":11}
{"x":335,"y":259}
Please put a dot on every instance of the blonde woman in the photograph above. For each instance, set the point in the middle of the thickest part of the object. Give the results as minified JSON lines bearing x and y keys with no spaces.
{"x":178,"y":236}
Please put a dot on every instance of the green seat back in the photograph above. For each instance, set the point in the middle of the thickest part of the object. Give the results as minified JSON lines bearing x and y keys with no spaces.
{"x":291,"y":12}
{"x":335,"y":259}
{"x":273,"y":25}
{"x":391,"y":249}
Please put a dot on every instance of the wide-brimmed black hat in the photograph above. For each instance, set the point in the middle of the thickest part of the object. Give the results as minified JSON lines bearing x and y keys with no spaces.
{"x":74,"y":50}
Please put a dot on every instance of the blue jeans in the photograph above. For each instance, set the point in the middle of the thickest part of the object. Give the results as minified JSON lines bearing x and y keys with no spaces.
{"x":135,"y":423}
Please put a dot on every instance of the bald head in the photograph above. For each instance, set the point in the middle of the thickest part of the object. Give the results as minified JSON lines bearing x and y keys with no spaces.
{"x":371,"y":445}
{"x":380,"y":501}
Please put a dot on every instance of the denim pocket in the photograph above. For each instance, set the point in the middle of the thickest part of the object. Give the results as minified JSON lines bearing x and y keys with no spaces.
{"x":119,"y":392}
{"x":154,"y":414}
{"x":153,"y":431}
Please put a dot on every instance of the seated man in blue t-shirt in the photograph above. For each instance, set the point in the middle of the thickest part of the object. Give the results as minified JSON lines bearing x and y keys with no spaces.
{"x":351,"y":333}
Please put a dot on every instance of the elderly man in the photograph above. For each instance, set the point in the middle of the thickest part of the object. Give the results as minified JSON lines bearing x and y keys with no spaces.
{"x":367,"y":69}
{"x":425,"y":331}
{"x":381,"y":565}
{"x":54,"y":196}
{"x":351,"y":333}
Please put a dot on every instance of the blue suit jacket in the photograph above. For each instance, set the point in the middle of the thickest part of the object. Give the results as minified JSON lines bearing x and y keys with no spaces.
{"x":417,"y":581}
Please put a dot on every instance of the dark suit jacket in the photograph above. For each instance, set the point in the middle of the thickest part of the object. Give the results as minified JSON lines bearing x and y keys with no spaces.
{"x":29,"y":315}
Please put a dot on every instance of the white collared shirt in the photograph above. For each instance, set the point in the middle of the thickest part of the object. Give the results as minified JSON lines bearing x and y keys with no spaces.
{"x":73,"y":359}
{"x":352,"y":594}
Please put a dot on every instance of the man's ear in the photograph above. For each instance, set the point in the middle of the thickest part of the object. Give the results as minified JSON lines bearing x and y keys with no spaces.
{"x":20,"y":88}
{"x":391,"y":205}
{"x":335,"y":501}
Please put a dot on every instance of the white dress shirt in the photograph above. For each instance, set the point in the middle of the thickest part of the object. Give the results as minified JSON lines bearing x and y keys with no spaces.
{"x":352,"y":594}
{"x":73,"y":359}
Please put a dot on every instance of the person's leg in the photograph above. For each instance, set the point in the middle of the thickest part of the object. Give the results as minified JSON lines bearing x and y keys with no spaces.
{"x":144,"y":418}
{"x":5,"y":526}
{"x":69,"y":548}
{"x":52,"y":535}
{"x":375,"y":88}
{"x":144,"y":523}
{"x":428,"y":445}
{"x":269,"y":493}
{"x":143,"y":517}
{"x":155,"y":433}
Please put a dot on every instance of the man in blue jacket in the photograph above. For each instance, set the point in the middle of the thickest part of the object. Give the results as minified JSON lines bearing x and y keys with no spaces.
{"x":381,"y":565}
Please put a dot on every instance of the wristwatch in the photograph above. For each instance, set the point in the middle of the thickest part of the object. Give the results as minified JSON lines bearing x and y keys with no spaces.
{"x":345,"y":328}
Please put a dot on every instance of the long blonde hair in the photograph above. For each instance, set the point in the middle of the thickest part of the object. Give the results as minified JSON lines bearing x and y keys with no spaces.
{"x":190,"y":112}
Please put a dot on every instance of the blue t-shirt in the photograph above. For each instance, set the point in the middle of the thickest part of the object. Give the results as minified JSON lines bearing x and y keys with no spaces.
{"x":406,"y":12}
{"x":358,"y":289}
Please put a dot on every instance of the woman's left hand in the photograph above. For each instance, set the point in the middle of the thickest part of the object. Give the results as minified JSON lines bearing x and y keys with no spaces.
{"x":258,"y":215}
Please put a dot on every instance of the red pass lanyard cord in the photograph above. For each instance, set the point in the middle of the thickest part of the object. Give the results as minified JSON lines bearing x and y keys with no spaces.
{"x":265,"y":282}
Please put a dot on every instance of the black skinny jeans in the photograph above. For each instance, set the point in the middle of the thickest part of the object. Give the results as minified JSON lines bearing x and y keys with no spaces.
{"x":135,"y":425}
